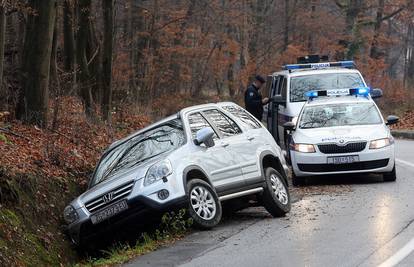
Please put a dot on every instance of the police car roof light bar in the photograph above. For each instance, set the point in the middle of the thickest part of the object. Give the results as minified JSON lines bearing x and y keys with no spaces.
{"x":342,"y":64}
{"x":361,"y":91}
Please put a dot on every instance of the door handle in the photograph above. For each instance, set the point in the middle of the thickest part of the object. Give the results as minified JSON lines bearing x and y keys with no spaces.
{"x":224,"y":144}
{"x":250,"y":138}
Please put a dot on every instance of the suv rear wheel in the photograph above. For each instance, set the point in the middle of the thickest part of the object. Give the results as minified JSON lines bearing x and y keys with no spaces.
{"x":276,"y":198}
{"x":204,"y":205}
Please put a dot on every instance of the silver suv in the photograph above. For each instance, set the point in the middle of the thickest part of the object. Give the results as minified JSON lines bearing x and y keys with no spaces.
{"x":198,"y":158}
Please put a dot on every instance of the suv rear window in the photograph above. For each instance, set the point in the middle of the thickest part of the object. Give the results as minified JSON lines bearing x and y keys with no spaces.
{"x":245,"y":118}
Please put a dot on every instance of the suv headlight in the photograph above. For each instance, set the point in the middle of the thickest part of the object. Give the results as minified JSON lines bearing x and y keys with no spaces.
{"x":304,"y":148}
{"x":380,"y":143}
{"x":157,"y":172}
{"x":70,"y":214}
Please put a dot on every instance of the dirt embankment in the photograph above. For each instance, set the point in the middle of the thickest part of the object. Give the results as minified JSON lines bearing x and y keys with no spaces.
{"x":41,"y":170}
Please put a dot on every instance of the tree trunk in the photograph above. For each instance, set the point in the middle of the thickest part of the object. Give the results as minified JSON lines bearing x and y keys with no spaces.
{"x":374,"y":52}
{"x":54,"y":82}
{"x":85,"y":76}
{"x":68,"y":36}
{"x":108,"y":12}
{"x":286,"y":30}
{"x":2,"y":42}
{"x":352,"y":30}
{"x":33,"y":104}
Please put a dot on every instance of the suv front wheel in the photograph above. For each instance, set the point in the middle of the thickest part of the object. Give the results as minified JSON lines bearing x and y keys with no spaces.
{"x":204,"y":205}
{"x":276,"y":197}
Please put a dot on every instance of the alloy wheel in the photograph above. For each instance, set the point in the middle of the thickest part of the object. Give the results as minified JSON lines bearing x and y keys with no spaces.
{"x":279,"y":189}
{"x":203,"y":203}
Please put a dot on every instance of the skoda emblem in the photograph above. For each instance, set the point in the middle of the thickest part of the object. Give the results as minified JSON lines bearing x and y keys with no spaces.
{"x":341,"y":141}
{"x":108,"y":197}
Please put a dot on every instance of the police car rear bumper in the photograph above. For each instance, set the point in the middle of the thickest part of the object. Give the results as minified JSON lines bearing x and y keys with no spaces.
{"x":371,"y":161}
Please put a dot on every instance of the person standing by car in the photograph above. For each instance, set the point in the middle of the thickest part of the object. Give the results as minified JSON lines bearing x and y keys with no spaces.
{"x":253,"y":99}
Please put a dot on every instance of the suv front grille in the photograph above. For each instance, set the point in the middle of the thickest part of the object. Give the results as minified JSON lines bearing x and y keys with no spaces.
{"x":109,"y":197}
{"x":337,"y":149}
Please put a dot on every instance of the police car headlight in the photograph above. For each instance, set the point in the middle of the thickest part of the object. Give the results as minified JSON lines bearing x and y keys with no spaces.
{"x":70,"y":214}
{"x":304,"y":148}
{"x":157,"y":172}
{"x":380,"y":143}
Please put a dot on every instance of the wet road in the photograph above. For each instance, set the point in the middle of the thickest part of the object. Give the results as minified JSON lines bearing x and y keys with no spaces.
{"x":335,"y":221}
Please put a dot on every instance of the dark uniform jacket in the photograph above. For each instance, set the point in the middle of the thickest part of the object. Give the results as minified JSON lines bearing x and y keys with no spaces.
{"x":253,"y":102}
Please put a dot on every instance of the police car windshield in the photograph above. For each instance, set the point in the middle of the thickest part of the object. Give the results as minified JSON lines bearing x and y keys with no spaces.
{"x":300,"y":85}
{"x":339,"y":115}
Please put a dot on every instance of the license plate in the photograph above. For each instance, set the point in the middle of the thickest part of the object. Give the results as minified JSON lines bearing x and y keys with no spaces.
{"x":109,"y":212}
{"x":343,"y":160}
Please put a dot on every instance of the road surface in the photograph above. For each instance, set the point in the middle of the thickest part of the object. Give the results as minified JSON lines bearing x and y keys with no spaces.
{"x":335,"y":221}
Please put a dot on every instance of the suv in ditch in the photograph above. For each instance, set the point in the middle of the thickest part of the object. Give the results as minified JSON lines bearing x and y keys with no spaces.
{"x":197,"y":159}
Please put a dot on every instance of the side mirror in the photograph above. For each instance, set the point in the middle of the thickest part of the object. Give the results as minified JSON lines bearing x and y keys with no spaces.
{"x":392,"y":119}
{"x":278,"y":99}
{"x":289,"y":126}
{"x":205,"y":136}
{"x":376,"y":93}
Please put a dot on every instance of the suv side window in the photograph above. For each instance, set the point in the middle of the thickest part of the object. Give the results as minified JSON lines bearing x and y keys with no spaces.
{"x":225,"y":125}
{"x":198,"y":122}
{"x":244,"y":117}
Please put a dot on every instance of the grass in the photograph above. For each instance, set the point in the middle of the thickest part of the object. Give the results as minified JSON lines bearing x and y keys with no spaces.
{"x":123,"y":254}
{"x":173,"y":227}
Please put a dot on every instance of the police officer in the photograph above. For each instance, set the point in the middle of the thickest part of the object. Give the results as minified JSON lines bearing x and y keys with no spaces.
{"x":253,"y":99}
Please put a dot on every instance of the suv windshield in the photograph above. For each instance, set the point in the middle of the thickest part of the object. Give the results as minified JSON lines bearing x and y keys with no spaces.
{"x":339,"y":115}
{"x":301,"y":84}
{"x":138,"y":149}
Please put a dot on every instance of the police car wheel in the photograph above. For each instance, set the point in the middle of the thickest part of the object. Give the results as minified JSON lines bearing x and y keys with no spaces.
{"x":390,"y":176}
{"x":204,"y":207}
{"x":275,"y":197}
{"x":298,"y":181}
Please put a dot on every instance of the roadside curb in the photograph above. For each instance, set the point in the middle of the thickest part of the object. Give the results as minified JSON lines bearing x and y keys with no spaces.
{"x":404,"y":134}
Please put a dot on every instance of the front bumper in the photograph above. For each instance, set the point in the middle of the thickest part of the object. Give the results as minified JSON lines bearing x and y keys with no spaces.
{"x":312,"y":164}
{"x":140,"y":211}
{"x":143,"y":205}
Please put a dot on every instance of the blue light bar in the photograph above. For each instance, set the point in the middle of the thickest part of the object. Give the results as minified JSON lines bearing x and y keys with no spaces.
{"x":342,"y":64}
{"x":311,"y":94}
{"x":360,"y":91}
{"x":363,"y":91}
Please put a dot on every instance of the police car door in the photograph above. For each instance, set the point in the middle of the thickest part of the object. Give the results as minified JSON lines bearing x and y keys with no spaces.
{"x":272,"y":108}
{"x":282,"y":115}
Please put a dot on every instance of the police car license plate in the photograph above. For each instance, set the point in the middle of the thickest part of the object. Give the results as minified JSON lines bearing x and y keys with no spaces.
{"x":109,"y":212}
{"x":343,"y":160}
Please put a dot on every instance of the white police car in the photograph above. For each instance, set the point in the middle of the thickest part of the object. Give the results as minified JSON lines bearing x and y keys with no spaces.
{"x":341,"y":131}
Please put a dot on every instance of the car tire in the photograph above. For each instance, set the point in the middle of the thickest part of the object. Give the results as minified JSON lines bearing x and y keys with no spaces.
{"x":390,"y":176}
{"x":204,"y":207}
{"x":297,"y":181}
{"x":275,"y":197}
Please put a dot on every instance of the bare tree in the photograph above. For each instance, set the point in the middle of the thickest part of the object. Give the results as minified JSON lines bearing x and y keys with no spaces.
{"x":34,"y":97}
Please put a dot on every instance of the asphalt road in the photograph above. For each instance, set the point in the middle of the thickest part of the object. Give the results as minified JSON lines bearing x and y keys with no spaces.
{"x":335,"y":221}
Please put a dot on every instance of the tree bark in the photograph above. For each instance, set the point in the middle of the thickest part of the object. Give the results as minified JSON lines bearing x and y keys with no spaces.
{"x":54,"y":82}
{"x":2,"y":42}
{"x":374,"y":52}
{"x":33,"y":100}
{"x":68,"y":36}
{"x":85,"y":77}
{"x":108,"y":12}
